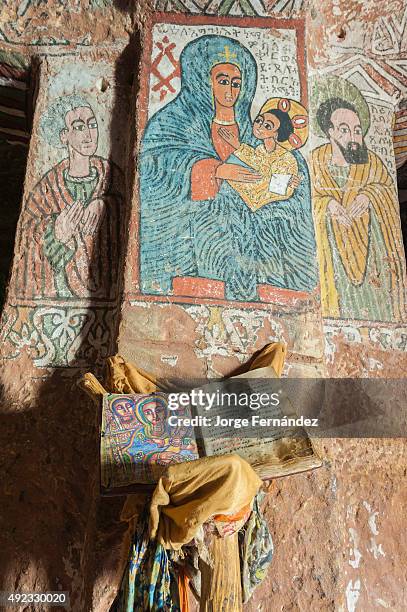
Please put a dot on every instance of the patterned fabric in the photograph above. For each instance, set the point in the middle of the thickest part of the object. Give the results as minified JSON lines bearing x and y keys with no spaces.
{"x":149,"y":583}
{"x":256,"y":550}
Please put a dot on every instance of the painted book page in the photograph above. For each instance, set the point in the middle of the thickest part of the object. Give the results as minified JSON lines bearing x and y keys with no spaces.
{"x":137,"y":442}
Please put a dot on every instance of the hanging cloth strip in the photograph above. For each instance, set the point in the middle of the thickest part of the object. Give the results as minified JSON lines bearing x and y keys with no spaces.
{"x":256,"y":549}
{"x":150,"y":583}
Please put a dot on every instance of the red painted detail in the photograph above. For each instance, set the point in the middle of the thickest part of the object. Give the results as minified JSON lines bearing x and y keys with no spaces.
{"x":268,"y":293}
{"x":295,"y":140}
{"x":198,"y":287}
{"x":284,"y":105}
{"x":164,"y":81}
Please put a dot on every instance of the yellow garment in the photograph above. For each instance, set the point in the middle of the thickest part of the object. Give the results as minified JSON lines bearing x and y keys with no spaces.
{"x":122,"y":377}
{"x":125,"y":377}
{"x":191,"y":493}
{"x":279,"y":161}
{"x":373,"y":180}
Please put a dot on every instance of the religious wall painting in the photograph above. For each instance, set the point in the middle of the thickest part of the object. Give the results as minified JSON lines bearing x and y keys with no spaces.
{"x":70,"y":227}
{"x":58,"y":335}
{"x":64,"y":288}
{"x":361,"y":258}
{"x":225,"y":204}
{"x":246,"y":8}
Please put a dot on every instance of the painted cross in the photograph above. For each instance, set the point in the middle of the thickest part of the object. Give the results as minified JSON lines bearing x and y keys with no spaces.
{"x":164,"y":81}
{"x":227,"y":55}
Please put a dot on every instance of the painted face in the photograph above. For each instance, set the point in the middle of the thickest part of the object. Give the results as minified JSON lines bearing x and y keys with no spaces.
{"x":124,"y":410}
{"x":266,"y":126}
{"x":155,"y":414}
{"x":81,"y":132}
{"x":348,"y":135}
{"x":226,"y":84}
{"x":346,"y":129}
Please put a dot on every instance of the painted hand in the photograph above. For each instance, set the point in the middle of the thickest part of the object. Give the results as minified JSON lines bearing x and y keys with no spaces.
{"x":359,"y":206}
{"x":93,"y":216}
{"x":230,"y":137}
{"x":338,"y":212}
{"x":234,"y":172}
{"x":68,"y":221}
{"x":295,"y":181}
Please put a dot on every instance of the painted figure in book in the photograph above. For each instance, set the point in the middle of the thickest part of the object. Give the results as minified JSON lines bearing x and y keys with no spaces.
{"x":219,"y":200}
{"x":356,"y":213}
{"x":155,"y":442}
{"x":123,"y":408}
{"x":70,"y":231}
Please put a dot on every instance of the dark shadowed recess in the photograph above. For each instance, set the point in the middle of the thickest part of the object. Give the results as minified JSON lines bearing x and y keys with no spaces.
{"x":17,"y":80}
{"x":402,"y":189}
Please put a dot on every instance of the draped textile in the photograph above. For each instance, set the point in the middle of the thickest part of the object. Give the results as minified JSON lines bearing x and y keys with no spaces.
{"x":88,"y":265}
{"x":150,"y":583}
{"x":219,"y":238}
{"x":353,"y":245}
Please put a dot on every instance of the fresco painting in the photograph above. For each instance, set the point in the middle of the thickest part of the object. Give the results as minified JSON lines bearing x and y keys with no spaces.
{"x":70,"y":226}
{"x":225,"y":197}
{"x":65,"y":284}
{"x":56,"y":23}
{"x":362,"y":272}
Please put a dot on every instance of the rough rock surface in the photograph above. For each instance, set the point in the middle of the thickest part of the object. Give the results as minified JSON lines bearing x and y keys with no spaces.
{"x":338,"y":532}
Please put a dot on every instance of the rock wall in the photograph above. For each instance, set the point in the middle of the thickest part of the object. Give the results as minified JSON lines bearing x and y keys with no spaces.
{"x":77,"y":273}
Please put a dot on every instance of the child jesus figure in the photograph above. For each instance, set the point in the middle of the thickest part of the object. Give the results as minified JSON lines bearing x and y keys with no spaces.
{"x":276,"y":165}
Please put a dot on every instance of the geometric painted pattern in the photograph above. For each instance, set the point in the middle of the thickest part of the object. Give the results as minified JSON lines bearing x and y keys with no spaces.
{"x":58,"y":336}
{"x":246,"y":8}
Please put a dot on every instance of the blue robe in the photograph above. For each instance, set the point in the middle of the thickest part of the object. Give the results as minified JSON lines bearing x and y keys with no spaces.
{"x":219,"y":238}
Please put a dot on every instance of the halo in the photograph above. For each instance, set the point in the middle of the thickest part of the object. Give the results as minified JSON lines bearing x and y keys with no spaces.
{"x":299,"y":119}
{"x":151,"y":399}
{"x":325,"y":88}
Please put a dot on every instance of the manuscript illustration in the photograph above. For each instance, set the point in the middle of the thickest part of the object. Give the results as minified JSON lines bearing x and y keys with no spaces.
{"x":137,"y":441}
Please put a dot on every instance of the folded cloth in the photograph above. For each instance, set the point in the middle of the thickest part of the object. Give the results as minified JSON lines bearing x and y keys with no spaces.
{"x":125,"y":377}
{"x":188,"y":494}
{"x":121,"y":377}
{"x":256,"y":549}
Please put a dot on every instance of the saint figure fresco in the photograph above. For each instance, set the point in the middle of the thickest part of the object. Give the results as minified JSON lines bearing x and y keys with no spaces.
{"x":356,"y":213}
{"x":199,"y":217}
{"x":70,"y":230}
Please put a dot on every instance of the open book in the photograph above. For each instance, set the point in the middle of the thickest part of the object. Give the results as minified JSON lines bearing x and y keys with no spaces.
{"x":249,"y":415}
{"x":274,"y":185}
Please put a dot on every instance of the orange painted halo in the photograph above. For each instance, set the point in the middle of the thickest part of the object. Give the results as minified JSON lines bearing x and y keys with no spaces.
{"x":299,"y":119}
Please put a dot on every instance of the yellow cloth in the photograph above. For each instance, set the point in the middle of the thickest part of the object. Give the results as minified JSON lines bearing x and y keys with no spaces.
{"x":373,"y":180}
{"x":124,"y":377}
{"x":191,"y":493}
{"x":186,"y":488}
{"x":279,"y":161}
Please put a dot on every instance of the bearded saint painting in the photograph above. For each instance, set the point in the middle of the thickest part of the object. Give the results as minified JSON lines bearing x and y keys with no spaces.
{"x":70,"y":229}
{"x":356,"y":213}
{"x":197,"y":231}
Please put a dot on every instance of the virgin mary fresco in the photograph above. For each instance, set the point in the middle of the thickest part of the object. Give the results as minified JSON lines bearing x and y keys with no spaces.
{"x":193,"y":222}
